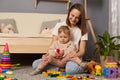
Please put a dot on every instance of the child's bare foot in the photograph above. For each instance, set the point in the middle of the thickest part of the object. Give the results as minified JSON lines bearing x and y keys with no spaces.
{"x":35,"y":72}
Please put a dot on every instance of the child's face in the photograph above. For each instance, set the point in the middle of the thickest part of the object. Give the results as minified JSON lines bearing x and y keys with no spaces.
{"x":63,"y":38}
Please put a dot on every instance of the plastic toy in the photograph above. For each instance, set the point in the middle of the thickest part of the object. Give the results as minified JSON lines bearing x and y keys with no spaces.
{"x":9,"y":72}
{"x":64,"y":76}
{"x":57,"y":50}
{"x":16,"y":65}
{"x":44,"y":74}
{"x":2,"y":77}
{"x":98,"y":70}
{"x":5,"y":64}
{"x":90,"y":68}
{"x":111,"y":70}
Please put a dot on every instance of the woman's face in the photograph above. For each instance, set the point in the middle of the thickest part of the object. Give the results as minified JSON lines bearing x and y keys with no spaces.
{"x":74,"y":17}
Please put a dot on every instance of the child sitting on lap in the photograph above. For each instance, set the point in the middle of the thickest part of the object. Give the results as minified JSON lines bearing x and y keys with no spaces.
{"x":57,"y":53}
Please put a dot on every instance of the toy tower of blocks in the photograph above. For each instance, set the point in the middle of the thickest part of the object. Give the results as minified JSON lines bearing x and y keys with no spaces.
{"x":5,"y":63}
{"x":110,"y":70}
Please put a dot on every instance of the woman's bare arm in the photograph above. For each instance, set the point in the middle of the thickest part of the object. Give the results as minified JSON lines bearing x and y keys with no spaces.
{"x":82,"y":48}
{"x":81,"y":52}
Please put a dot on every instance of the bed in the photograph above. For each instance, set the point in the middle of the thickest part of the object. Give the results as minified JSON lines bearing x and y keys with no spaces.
{"x":31,"y":31}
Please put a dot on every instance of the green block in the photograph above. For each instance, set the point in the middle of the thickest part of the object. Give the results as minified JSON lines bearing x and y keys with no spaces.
{"x":15,"y":79}
{"x":54,"y":75}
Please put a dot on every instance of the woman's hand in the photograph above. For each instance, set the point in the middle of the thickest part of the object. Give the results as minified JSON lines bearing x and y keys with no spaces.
{"x":72,"y":55}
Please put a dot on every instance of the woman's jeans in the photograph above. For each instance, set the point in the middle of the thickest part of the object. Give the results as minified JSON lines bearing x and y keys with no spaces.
{"x":71,"y":67}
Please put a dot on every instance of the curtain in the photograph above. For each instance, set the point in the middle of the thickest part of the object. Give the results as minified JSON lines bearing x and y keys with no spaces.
{"x":114,"y":17}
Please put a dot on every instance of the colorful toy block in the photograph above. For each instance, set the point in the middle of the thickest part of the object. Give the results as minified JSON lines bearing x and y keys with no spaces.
{"x":44,"y":74}
{"x":2,"y":77}
{"x":111,"y":70}
{"x":64,"y":76}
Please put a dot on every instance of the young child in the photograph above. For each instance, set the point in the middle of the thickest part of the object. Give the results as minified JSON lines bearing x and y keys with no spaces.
{"x":59,"y":50}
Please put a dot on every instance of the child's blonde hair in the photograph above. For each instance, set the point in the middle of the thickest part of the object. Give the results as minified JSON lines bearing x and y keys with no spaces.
{"x":64,"y":29}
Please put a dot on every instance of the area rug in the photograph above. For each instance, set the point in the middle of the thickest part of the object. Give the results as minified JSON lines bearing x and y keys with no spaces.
{"x":22,"y":73}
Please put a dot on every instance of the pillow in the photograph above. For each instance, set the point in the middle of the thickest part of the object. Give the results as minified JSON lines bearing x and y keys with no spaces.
{"x":8,"y":24}
{"x":47,"y":26}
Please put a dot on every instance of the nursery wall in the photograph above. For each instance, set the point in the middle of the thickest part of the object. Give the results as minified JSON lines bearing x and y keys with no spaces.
{"x":97,"y":11}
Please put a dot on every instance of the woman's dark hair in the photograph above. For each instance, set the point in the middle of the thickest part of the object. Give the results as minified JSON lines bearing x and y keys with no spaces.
{"x":82,"y":22}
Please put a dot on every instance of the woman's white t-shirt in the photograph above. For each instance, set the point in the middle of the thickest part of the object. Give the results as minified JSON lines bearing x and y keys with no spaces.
{"x":75,"y":33}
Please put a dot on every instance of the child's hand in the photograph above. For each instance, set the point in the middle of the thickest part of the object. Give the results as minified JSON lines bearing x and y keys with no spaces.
{"x":45,"y":57}
{"x":57,"y":50}
{"x":60,"y":55}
